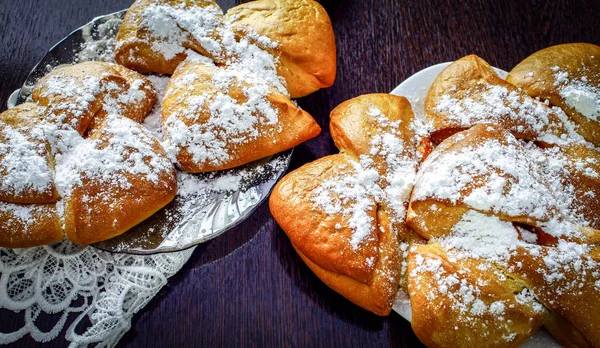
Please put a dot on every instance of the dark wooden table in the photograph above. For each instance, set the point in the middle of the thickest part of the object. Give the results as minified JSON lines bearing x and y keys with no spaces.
{"x":248,"y":287}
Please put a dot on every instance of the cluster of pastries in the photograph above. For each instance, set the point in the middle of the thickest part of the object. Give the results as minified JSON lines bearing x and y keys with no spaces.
{"x":76,"y":162}
{"x":228,"y":101}
{"x":485,"y":211}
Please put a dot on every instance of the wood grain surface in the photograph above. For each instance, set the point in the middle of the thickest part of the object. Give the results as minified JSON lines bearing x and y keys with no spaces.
{"x":248,"y":287}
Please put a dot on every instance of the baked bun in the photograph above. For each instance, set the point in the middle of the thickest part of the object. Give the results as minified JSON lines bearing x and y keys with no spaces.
{"x":502,"y":230}
{"x":344,"y":213}
{"x":469,"y":92}
{"x":300,"y":35}
{"x":219,"y":118}
{"x":568,"y":76}
{"x":120,"y":177}
{"x":77,"y":95}
{"x":26,"y":163}
{"x":157,"y":35}
{"x":459,"y":302}
{"x":77,"y":163}
{"x":504,"y":218}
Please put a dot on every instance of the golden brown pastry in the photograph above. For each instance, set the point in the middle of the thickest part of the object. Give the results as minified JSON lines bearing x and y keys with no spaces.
{"x":566,"y":280}
{"x":344,"y":213}
{"x":568,"y":76}
{"x":293,"y":39}
{"x":26,"y":164}
{"x":77,"y":94}
{"x":122,"y":176}
{"x":217,"y":118}
{"x":466,"y":302}
{"x":76,"y":163}
{"x":499,"y":209}
{"x":29,"y":225}
{"x":155,"y":34}
{"x":304,"y":43}
{"x":469,"y":92}
{"x":502,"y":227}
{"x":488,"y":170}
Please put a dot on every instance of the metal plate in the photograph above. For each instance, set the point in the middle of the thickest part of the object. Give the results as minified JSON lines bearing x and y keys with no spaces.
{"x":189,"y":219}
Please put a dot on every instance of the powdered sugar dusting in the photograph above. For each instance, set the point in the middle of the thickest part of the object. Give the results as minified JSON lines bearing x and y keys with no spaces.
{"x":492,"y":104}
{"x":384,"y":176}
{"x":123,"y":147}
{"x":232,"y":120}
{"x":511,"y":178}
{"x":24,"y":161}
{"x":153,"y":122}
{"x":20,"y":217}
{"x":483,"y":236}
{"x":578,"y":93}
{"x":172,"y":26}
{"x":352,"y":196}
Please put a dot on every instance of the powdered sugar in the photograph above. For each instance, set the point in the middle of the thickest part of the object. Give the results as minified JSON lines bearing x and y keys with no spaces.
{"x":482,"y":236}
{"x":99,"y":41}
{"x":70,"y":97}
{"x":153,"y":122}
{"x":124,"y":147}
{"x":383,"y":176}
{"x":24,"y":161}
{"x":210,"y":118}
{"x":511,"y":178}
{"x":578,"y":93}
{"x":353,"y":197}
{"x":496,"y":104}
{"x":172,"y":26}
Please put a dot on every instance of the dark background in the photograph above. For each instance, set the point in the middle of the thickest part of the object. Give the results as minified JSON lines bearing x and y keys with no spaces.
{"x":248,"y":287}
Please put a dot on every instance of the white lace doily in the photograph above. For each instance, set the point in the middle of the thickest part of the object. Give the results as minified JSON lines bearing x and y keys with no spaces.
{"x":105,"y":289}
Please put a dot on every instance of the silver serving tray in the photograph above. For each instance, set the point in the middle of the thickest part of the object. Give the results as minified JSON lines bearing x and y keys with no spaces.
{"x":188,"y":220}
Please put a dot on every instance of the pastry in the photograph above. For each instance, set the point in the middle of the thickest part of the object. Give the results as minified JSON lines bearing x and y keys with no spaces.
{"x":344,"y":213}
{"x":567,"y":76}
{"x":300,"y":36}
{"x":501,"y":233}
{"x":157,"y":35}
{"x":215,"y":126}
{"x":26,"y":164}
{"x":459,"y":302}
{"x":469,"y":92}
{"x":228,"y":102}
{"x":506,"y":220}
{"x":80,"y":94}
{"x":76,"y":163}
